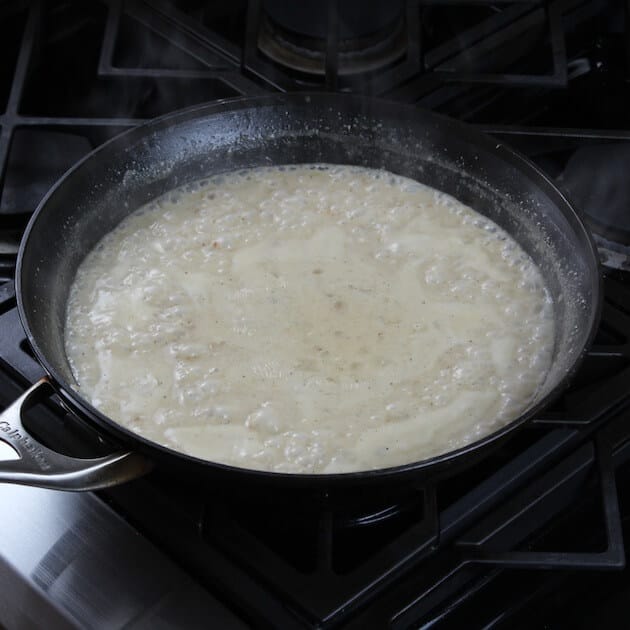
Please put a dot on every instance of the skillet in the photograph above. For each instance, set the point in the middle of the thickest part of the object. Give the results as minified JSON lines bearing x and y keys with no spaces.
{"x":147,"y":161}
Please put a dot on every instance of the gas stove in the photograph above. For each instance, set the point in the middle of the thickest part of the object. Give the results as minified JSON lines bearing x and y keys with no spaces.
{"x":531,"y":536}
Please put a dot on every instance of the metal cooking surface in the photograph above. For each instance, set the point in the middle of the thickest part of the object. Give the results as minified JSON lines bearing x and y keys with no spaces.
{"x":75,"y":563}
{"x":548,"y":78}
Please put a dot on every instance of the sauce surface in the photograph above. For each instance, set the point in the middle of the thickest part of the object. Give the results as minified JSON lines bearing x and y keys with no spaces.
{"x":311,"y":319}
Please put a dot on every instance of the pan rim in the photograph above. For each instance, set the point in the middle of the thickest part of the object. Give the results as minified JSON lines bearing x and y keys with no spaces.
{"x":137,"y":442}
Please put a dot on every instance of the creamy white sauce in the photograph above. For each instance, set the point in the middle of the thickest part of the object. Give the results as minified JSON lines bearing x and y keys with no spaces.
{"x":309,"y":319}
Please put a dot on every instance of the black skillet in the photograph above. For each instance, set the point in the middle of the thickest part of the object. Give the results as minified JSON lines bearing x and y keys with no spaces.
{"x":149,"y":160}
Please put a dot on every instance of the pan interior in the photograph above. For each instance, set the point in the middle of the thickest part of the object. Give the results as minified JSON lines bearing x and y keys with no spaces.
{"x":153,"y":159}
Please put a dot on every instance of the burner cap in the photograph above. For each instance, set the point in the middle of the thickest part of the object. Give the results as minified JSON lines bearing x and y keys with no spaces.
{"x":357,"y":18}
{"x":295,"y":35}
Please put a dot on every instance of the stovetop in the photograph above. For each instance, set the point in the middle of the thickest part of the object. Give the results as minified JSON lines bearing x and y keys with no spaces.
{"x":530,"y":537}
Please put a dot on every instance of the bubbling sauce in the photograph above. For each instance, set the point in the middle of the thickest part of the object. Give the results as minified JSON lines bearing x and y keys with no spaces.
{"x":310,"y":319}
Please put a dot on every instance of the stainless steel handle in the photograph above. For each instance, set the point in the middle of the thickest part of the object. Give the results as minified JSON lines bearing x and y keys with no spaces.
{"x":40,"y":466}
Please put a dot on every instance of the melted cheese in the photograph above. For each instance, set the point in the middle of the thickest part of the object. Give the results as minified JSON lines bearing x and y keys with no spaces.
{"x":309,"y":319}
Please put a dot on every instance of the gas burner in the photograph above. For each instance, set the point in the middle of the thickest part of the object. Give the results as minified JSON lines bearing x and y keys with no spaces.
{"x":369,"y":47}
{"x":370,"y":38}
{"x":595,"y":177}
{"x":408,"y":508}
{"x":365,"y":510}
{"x":611,"y":254}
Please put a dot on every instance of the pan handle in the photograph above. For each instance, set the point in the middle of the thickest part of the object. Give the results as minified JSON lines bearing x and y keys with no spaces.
{"x":42,"y":467}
